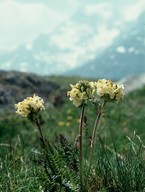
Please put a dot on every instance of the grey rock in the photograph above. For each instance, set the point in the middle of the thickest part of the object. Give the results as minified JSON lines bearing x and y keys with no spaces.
{"x":16,"y":86}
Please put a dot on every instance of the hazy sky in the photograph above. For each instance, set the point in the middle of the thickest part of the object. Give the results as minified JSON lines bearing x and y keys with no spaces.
{"x":21,"y":21}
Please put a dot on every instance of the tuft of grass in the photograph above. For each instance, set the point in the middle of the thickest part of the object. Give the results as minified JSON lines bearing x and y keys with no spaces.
{"x":18,"y":172}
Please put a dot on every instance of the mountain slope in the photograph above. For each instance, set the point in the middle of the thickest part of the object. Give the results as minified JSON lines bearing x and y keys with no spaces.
{"x":82,"y":41}
{"x":125,"y":57}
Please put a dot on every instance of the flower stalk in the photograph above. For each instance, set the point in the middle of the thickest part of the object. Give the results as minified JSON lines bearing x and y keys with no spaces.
{"x":39,"y":123}
{"x":100,"y":112}
{"x":80,"y":145}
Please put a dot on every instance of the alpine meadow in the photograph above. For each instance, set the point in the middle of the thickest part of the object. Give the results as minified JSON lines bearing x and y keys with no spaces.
{"x":93,"y":140}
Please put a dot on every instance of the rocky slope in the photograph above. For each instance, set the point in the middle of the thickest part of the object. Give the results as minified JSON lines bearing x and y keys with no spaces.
{"x":15,"y":86}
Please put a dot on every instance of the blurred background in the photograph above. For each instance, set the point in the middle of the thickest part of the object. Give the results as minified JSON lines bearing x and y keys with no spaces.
{"x":88,"y":38}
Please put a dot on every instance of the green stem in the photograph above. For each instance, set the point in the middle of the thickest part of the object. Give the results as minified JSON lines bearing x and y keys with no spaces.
{"x":41,"y":134}
{"x":80,"y":145}
{"x":100,"y":111}
{"x":96,"y":124}
{"x":40,"y":128}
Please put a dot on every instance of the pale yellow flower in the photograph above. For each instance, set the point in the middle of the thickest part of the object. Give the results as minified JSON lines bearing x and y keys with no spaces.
{"x":69,"y":117}
{"x":61,"y":123}
{"x":28,"y":105}
{"x":82,"y":92}
{"x":67,"y":124}
{"x":109,"y":91}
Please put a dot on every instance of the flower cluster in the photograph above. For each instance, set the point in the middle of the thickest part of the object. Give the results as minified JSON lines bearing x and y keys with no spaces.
{"x":82,"y":92}
{"x":85,"y":91}
{"x":109,"y":91}
{"x":28,"y":105}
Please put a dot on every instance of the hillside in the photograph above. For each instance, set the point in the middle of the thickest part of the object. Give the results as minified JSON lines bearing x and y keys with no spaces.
{"x":15,"y":86}
{"x":120,"y":139}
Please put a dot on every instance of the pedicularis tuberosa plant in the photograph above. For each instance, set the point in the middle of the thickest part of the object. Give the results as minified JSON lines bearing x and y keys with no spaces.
{"x":82,"y":93}
{"x":63,"y":165}
{"x":30,"y":108}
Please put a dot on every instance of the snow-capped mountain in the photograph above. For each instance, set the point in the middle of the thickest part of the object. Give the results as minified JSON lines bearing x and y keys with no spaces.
{"x":126,"y":56}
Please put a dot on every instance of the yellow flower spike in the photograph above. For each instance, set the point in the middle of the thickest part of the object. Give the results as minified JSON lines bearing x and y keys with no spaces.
{"x":82,"y":92}
{"x":28,"y":105}
{"x":109,"y":91}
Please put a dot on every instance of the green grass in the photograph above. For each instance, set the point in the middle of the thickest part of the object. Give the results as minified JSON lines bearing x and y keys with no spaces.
{"x":119,"y":158}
